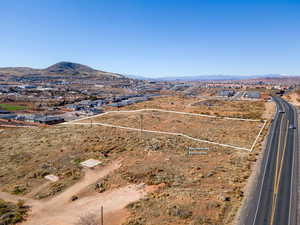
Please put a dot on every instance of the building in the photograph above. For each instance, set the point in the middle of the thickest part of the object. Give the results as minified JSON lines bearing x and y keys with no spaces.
{"x":94,"y":111}
{"x":8,"y":116}
{"x":4,"y":112}
{"x":253,"y":94}
{"x":226,"y":93}
{"x":74,"y":107}
{"x":49,"y":120}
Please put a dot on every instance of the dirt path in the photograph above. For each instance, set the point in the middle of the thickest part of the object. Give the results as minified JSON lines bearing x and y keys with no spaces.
{"x":91,"y":176}
{"x":60,"y":210}
{"x":68,"y":213}
{"x":37,"y":190}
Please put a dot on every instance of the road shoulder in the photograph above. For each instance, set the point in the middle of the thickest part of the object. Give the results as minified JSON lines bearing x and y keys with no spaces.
{"x":251,"y":186}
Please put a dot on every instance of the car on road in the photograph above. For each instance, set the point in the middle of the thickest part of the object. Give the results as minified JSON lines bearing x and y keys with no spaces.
{"x":292,"y":126}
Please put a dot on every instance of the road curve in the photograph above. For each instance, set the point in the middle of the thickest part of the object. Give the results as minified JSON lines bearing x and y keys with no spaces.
{"x":275,"y":200}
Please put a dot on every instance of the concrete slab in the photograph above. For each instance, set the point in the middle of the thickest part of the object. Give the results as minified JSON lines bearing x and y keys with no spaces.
{"x":90,"y":163}
{"x":52,"y":177}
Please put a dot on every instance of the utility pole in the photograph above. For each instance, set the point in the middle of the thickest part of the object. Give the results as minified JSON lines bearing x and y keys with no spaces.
{"x":141,"y":123}
{"x":102,"y":220}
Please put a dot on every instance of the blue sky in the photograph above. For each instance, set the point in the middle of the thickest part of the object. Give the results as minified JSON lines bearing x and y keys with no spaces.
{"x":153,"y":37}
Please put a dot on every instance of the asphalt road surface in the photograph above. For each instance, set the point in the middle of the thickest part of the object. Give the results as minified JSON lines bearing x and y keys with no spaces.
{"x":275,"y":199}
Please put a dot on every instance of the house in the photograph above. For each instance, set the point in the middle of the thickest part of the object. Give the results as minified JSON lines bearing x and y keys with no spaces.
{"x":118,"y":104}
{"x":113,"y":104}
{"x":49,"y":120}
{"x":28,"y":86}
{"x":27,"y":118}
{"x":253,"y":94}
{"x":95,"y":111}
{"x":4,"y":112}
{"x":8,"y":116}
{"x":87,"y":103}
{"x":98,"y":103}
{"x":74,"y":107}
{"x":227,"y":93}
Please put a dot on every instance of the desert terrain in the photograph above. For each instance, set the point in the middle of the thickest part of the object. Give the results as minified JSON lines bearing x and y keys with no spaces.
{"x":143,"y":178}
{"x":215,"y":129}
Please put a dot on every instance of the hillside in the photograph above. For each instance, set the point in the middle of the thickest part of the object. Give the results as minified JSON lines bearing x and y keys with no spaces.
{"x":61,"y":68}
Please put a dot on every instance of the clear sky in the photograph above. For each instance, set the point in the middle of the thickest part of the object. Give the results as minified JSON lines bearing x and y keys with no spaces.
{"x":153,"y":37}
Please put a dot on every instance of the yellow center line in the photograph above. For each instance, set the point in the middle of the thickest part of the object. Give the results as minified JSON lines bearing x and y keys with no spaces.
{"x":278,"y":172}
{"x":282,"y":158}
{"x":279,"y":145}
{"x":276,"y":169}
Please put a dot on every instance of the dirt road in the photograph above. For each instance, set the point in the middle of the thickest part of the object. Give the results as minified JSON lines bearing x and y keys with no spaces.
{"x":60,"y":210}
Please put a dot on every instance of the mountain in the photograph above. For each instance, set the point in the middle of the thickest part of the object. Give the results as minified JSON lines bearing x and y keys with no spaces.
{"x":59,"y":69}
{"x":69,"y":68}
{"x":206,"y":77}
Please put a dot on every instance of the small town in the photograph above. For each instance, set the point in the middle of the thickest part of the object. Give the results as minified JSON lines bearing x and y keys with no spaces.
{"x":138,"y":112}
{"x":46,"y":100}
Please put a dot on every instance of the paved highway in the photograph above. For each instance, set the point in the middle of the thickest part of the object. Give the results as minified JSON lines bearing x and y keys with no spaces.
{"x":275,"y":199}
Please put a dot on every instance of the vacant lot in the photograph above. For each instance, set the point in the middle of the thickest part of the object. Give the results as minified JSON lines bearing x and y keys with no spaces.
{"x":233,"y":132}
{"x":193,"y":187}
{"x":240,"y":109}
{"x":182,"y":189}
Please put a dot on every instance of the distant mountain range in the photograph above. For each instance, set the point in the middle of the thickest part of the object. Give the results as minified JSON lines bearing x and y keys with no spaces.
{"x":207,"y":77}
{"x":76,"y":69}
{"x":61,"y":68}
